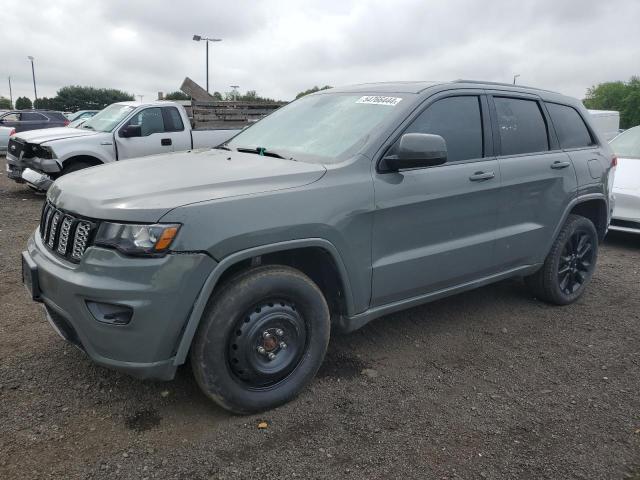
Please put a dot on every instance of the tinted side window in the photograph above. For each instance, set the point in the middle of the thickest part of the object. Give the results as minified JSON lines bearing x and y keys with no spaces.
{"x":31,"y":116}
{"x":458,"y":121}
{"x":571,"y":130}
{"x":521,"y":125}
{"x":172,"y":119}
{"x":150,"y":121}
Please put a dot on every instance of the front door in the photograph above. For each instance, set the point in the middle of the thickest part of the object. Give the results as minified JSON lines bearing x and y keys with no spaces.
{"x":435,"y":227}
{"x":154,"y":139}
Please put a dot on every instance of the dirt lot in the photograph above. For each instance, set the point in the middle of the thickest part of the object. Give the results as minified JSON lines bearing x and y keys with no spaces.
{"x":488,"y":384}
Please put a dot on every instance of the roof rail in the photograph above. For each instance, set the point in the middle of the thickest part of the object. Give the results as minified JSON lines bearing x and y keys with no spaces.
{"x":501,"y":84}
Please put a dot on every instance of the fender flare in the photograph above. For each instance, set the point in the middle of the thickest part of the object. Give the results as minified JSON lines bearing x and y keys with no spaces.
{"x":210,"y":283}
{"x":578,"y":201}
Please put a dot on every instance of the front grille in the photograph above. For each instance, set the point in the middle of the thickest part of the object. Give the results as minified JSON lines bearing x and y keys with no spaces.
{"x":65,"y":234}
{"x":15,"y":147}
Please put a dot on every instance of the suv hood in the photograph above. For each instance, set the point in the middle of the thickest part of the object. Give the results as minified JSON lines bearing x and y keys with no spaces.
{"x":49,"y":134}
{"x":144,"y":189}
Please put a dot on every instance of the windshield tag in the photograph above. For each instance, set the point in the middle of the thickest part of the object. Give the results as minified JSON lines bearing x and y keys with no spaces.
{"x":379,"y":100}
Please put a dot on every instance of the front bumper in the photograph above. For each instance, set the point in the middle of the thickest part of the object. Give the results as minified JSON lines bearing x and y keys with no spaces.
{"x":16,"y":165}
{"x":160,"y":291}
{"x":626,"y":214}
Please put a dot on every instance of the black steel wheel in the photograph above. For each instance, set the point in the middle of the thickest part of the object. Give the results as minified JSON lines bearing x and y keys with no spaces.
{"x":267,"y":343}
{"x":570,"y":264}
{"x":261,"y":339}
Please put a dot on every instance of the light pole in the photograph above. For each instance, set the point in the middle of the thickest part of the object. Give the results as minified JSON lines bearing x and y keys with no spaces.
{"x":141,"y":97}
{"x":33,"y":73}
{"x":199,"y":38}
{"x":515,"y":78}
{"x":235,"y":91}
{"x":10,"y":94}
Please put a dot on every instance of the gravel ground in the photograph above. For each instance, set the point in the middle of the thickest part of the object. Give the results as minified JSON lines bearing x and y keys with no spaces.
{"x":487,"y":384}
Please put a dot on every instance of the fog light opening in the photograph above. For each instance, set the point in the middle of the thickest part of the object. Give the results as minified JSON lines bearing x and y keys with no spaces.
{"x":110,"y":313}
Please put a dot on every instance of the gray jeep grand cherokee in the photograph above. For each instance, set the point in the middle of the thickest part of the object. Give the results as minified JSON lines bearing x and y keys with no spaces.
{"x":339,"y":208}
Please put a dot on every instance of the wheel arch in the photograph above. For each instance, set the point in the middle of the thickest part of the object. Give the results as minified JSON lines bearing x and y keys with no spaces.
{"x":316,"y":257}
{"x":80,"y":158}
{"x":594,"y":209}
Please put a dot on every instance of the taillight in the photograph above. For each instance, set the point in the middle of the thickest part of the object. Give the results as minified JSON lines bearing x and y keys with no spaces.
{"x":614,"y":161}
{"x":12,"y":132}
{"x":66,"y":122}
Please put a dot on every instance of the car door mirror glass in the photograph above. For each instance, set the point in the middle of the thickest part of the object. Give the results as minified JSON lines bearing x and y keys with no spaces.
{"x":415,"y":150}
{"x":130,"y":131}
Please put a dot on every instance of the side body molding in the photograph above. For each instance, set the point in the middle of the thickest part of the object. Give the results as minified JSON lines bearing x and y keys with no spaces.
{"x":203,"y":297}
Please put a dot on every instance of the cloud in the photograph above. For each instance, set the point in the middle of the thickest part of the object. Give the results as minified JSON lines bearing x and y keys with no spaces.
{"x":280,"y":47}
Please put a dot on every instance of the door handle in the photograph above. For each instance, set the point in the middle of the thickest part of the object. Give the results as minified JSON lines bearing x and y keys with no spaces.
{"x":480,"y":176}
{"x":558,"y":165}
{"x":165,"y":142}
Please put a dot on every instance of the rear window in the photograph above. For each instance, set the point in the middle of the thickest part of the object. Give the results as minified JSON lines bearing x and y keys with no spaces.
{"x":172,"y":120}
{"x":521,"y":125}
{"x":570,"y":127}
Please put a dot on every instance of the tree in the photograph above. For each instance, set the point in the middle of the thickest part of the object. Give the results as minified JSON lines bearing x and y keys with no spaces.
{"x":177,"y":95}
{"x":45,"y":103}
{"x":249,"y":96}
{"x":23,"y":103}
{"x":621,"y":96}
{"x":5,"y":103}
{"x":312,"y":90}
{"x":74,"y":97}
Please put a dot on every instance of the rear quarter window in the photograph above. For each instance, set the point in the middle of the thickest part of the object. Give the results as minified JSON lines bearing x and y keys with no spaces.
{"x":521,"y":125}
{"x":172,"y":119}
{"x":570,"y":127}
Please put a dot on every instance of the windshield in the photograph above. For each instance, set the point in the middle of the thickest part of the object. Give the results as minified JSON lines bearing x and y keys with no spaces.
{"x":106,"y":120}
{"x":627,"y":144}
{"x":325,"y":128}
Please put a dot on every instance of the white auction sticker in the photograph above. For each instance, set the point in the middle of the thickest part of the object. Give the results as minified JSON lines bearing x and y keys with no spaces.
{"x":379,"y":100}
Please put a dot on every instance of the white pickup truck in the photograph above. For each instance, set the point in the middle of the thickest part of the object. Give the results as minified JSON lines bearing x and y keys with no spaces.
{"x":120,"y":131}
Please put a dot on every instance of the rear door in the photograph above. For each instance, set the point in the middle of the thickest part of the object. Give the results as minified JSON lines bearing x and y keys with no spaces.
{"x":435,"y":227}
{"x":33,"y":121}
{"x":538,"y":179}
{"x":580,"y":144}
{"x":154,"y":139}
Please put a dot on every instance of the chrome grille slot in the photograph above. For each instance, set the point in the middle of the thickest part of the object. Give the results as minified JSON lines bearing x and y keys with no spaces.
{"x":81,"y":240}
{"x":65,"y":231}
{"x":54,"y":228}
{"x":65,"y":234}
{"x":47,"y":225}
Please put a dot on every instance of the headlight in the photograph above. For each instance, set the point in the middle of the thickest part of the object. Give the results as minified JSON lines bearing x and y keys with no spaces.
{"x":137,"y":239}
{"x":43,"y":151}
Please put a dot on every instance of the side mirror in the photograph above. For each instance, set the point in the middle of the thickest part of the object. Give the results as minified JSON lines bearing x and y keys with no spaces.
{"x":129,"y":131}
{"x":416,"y":150}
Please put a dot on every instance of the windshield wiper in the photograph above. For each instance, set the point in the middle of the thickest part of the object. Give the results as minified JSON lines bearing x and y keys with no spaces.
{"x":222,"y":147}
{"x":262,"y":151}
{"x":88,"y":127}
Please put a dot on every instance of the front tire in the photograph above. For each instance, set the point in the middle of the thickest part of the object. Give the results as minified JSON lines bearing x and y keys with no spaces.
{"x":261,"y":340}
{"x":570,"y":264}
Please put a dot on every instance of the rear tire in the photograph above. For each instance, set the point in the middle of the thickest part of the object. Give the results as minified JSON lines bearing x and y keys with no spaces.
{"x":261,"y":339}
{"x":570,"y":264}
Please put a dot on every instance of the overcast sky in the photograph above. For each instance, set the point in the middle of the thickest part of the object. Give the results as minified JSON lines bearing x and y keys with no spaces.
{"x":279,"y":47}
